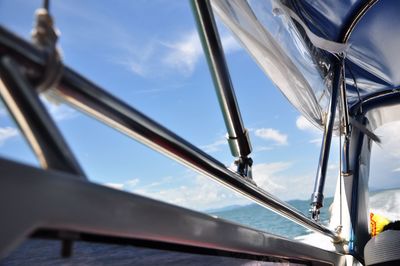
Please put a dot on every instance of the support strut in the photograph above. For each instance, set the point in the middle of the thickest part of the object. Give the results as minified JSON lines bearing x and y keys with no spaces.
{"x":317,"y":197}
{"x":238,"y":136}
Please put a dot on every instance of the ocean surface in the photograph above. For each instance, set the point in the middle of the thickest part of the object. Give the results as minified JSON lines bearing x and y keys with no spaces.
{"x":47,"y":252}
{"x":258,"y":217}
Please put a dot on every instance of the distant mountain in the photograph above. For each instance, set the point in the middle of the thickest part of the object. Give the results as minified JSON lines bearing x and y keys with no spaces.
{"x":373,"y":190}
{"x":226,"y":208}
{"x":302,"y":205}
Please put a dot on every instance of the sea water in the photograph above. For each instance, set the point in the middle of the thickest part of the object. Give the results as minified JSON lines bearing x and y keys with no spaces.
{"x":260,"y":218}
{"x":386,"y":203}
{"x":47,"y":252}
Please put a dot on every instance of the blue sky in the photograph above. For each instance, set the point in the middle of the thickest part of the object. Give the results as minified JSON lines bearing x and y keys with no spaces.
{"x":148,"y":54}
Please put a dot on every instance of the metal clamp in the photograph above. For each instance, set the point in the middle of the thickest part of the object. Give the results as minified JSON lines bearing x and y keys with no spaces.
{"x":240,"y":146}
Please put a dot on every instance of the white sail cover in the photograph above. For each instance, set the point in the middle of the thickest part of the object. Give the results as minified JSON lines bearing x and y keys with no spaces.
{"x":272,"y":39}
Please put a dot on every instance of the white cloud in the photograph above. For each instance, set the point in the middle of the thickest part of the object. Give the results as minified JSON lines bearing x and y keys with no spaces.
{"x":141,"y":59}
{"x":127,"y":185}
{"x":263,"y":148}
{"x":150,"y":55}
{"x":215,"y":146}
{"x":133,"y":182}
{"x":62,"y":112}
{"x":317,"y":141}
{"x":265,"y":175}
{"x":200,"y":194}
{"x":333,"y":167}
{"x":57,"y":109}
{"x":7,"y":133}
{"x":277,"y":179}
{"x":184,"y":53}
{"x":385,"y":157}
{"x":272,"y":134}
{"x":137,"y":68}
{"x":303,"y":124}
{"x":230,"y":44}
{"x":160,"y":57}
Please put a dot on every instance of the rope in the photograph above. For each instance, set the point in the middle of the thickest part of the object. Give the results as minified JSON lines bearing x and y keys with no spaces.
{"x":45,"y":37}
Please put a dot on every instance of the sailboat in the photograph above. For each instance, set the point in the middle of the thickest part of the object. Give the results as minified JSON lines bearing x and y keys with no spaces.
{"x":335,"y":61}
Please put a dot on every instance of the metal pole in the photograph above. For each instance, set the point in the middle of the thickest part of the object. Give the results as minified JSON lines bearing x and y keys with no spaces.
{"x":86,"y":96}
{"x":343,"y":98}
{"x":238,"y":136}
{"x":34,"y":121}
{"x":345,"y":168}
{"x":317,"y":197}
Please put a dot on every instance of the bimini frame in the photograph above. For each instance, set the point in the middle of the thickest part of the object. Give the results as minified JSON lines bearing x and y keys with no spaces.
{"x":86,"y":96}
{"x":69,"y":207}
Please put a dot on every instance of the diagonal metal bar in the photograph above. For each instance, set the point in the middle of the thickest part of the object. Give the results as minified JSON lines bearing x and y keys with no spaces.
{"x":34,"y":121}
{"x":238,"y":136}
{"x":317,"y":197}
{"x":85,"y":95}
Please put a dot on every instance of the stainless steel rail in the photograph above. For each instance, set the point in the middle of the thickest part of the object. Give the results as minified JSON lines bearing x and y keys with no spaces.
{"x":85,"y":95}
{"x":345,"y":167}
{"x":238,"y":136}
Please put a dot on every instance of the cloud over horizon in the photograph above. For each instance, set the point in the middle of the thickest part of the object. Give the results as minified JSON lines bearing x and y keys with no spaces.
{"x":273,"y":135}
{"x":180,"y":54}
{"x":385,"y":157}
{"x":304,"y":125}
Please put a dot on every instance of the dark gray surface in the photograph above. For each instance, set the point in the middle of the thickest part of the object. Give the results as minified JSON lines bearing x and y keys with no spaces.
{"x":47,"y":252}
{"x":33,"y":199}
{"x":382,"y":248}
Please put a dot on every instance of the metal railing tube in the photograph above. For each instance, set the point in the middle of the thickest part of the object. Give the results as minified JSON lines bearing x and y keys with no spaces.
{"x":238,"y":138}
